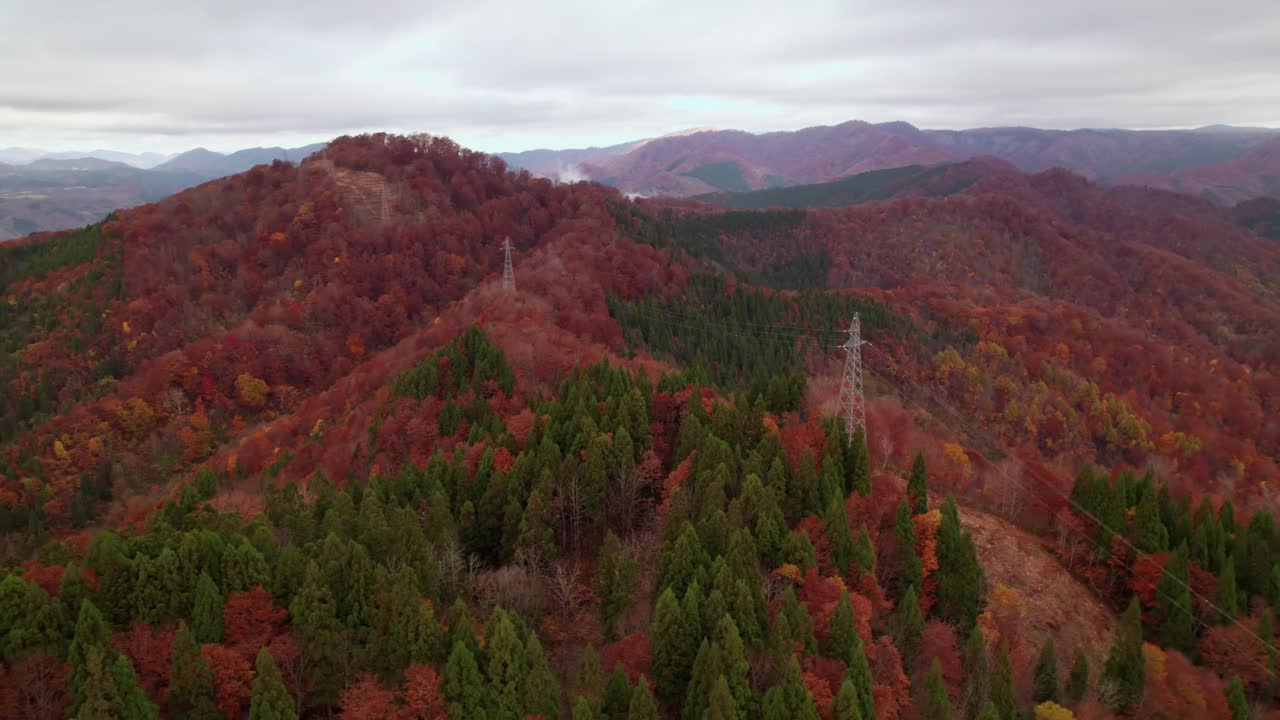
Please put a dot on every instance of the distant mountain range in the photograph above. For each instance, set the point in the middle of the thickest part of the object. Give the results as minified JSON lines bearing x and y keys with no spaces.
{"x":55,"y":191}
{"x":23,"y":156}
{"x":1223,"y":164}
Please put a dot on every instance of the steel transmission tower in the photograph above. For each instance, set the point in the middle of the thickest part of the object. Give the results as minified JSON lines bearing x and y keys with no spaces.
{"x":852,"y":402}
{"x":508,"y":276}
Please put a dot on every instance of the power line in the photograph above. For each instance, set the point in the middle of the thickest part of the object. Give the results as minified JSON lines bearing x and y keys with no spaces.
{"x":796,"y":331}
{"x":1076,"y":507}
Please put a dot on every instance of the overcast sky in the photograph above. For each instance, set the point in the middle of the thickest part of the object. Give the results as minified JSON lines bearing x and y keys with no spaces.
{"x":161,"y":75}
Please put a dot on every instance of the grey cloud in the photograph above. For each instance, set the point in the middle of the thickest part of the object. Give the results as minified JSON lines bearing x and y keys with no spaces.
{"x":145,"y":73}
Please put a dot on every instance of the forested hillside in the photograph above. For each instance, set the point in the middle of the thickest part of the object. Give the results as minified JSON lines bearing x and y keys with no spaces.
{"x":282,"y":446}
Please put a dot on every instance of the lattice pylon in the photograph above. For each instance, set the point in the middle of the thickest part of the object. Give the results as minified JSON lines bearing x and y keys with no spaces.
{"x":508,"y":275}
{"x":852,"y":401}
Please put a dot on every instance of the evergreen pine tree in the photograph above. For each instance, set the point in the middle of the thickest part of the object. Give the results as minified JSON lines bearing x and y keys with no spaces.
{"x":1173,"y":604}
{"x":617,"y":696}
{"x":1045,"y":685}
{"x":910,"y":572}
{"x":719,"y":702}
{"x":858,"y":464}
{"x":582,"y":709}
{"x":96,"y":695}
{"x":615,"y":580}
{"x":842,"y":629}
{"x":1225,"y":597}
{"x":674,"y":647}
{"x":917,"y":490}
{"x":91,"y":636}
{"x":799,"y":622}
{"x":837,"y":527}
{"x":858,"y":673}
{"x":464,"y":686}
{"x":588,"y":681}
{"x":133,"y":703}
{"x":73,"y":589}
{"x":508,"y":669}
{"x":1001,"y":694}
{"x":1149,"y":532}
{"x":319,"y":636}
{"x":1266,"y":633}
{"x":977,"y":679}
{"x":907,"y":625}
{"x":795,"y":695}
{"x":847,"y":706}
{"x":642,"y":705}
{"x":935,"y":705}
{"x":678,"y":562}
{"x":864,"y":554}
{"x":190,"y":681}
{"x":206,"y":613}
{"x":1077,"y":681}
{"x":270,"y":700}
{"x":736,"y":668}
{"x":1236,"y":700}
{"x":707,"y":666}
{"x":960,"y":577}
{"x":542,"y":690}
{"x":1124,"y":675}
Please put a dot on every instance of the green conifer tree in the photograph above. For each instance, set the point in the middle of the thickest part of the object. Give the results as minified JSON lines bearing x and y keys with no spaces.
{"x":977,"y":680}
{"x":837,"y":527}
{"x":847,"y":706}
{"x":1077,"y":681}
{"x":858,"y":464}
{"x":617,"y":696}
{"x":97,"y":698}
{"x":464,"y":686}
{"x":737,"y":669}
{"x":133,"y":703}
{"x":719,"y":703}
{"x":907,"y":625}
{"x":91,"y":636}
{"x":508,"y":669}
{"x":707,"y":667}
{"x":190,"y":681}
{"x":582,"y":709}
{"x":1045,"y":685}
{"x":795,"y":695}
{"x":270,"y":699}
{"x":642,"y":705}
{"x":935,"y":704}
{"x":320,"y":638}
{"x":542,"y":690}
{"x":1149,"y":532}
{"x":675,"y":643}
{"x":1173,"y":610}
{"x":842,"y":629}
{"x":1001,"y":680}
{"x":864,"y":554}
{"x":1124,"y":675}
{"x":615,"y":580}
{"x":206,"y":613}
{"x":910,"y":572}
{"x":858,"y":674}
{"x":960,"y":576}
{"x":1236,"y":700}
{"x":917,"y":486}
{"x":1225,"y":597}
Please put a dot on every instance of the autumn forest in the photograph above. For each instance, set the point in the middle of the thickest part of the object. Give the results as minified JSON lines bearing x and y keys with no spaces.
{"x":282,"y":446}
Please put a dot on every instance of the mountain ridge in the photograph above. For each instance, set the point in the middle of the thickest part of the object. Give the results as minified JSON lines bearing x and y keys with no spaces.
{"x":709,"y":161}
